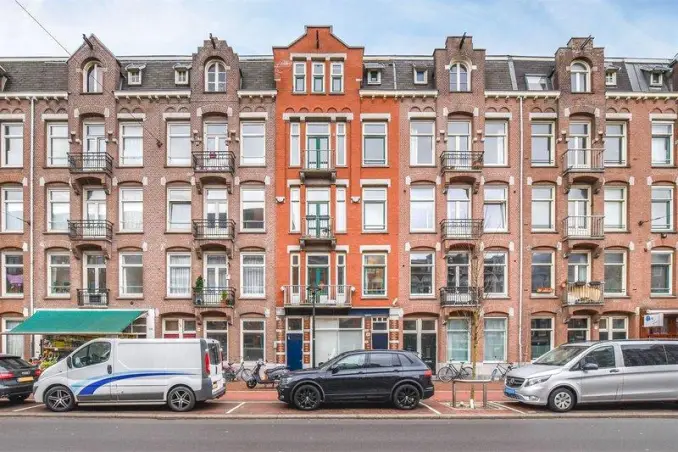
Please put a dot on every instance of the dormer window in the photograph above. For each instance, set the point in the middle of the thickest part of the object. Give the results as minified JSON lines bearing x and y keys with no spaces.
{"x":537,"y":82}
{"x":420,"y":76}
{"x":3,"y":79}
{"x":374,"y":77}
{"x":215,"y":77}
{"x":580,"y":77}
{"x":459,"y":79}
{"x":134,"y":73}
{"x":93,"y":78}
{"x":181,"y":73}
{"x":610,"y":78}
{"x":656,"y":79}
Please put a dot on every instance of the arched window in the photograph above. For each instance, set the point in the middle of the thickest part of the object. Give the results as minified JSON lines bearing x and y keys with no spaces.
{"x":459,"y":77}
{"x":93,"y":78}
{"x":215,"y":77}
{"x":580,"y":77}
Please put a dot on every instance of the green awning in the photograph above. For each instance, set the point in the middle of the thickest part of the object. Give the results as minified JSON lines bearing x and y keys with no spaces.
{"x":73,"y":321}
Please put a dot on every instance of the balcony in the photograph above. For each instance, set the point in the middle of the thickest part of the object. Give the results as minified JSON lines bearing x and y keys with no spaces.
{"x":461,"y":229}
{"x":213,"y":229}
{"x":214,"y":162}
{"x":90,"y":230}
{"x":460,"y":161}
{"x":329,"y":298}
{"x":214,"y":297}
{"x":585,"y":227}
{"x":318,"y":232}
{"x":583,"y":293}
{"x":93,"y":298}
{"x":459,"y":296}
{"x":319,"y":165}
{"x":90,"y":162}
{"x":583,"y":161}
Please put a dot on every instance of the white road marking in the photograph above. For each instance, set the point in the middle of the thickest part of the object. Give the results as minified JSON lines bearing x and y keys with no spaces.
{"x":235,"y":407}
{"x":27,"y":408}
{"x":501,"y":405}
{"x":431,"y":408}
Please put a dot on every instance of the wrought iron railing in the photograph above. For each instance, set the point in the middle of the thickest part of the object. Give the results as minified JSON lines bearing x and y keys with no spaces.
{"x":214,"y":229}
{"x":318,"y":160}
{"x":93,"y":297}
{"x":318,"y":228}
{"x":459,"y":296}
{"x":322,"y":296}
{"x":583,"y":226}
{"x":583,"y":293}
{"x":214,"y":297}
{"x":90,"y":162}
{"x":464,"y":229}
{"x":214,"y":161}
{"x":583,"y":160}
{"x":462,"y":160}
{"x":90,"y":230}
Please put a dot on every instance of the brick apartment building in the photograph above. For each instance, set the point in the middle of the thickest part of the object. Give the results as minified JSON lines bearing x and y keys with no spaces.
{"x":391,"y":197}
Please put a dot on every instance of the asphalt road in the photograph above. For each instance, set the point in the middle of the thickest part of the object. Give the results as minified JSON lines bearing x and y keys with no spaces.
{"x":98,"y":435}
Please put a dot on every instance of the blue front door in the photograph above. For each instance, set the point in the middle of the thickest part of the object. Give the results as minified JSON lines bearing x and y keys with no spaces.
{"x":379,"y":341}
{"x":294,"y":350}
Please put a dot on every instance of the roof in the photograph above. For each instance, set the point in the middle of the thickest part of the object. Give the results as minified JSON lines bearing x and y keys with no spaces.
{"x":398,"y":74}
{"x":157,"y":75}
{"x":257,"y":75}
{"x":35,"y":75}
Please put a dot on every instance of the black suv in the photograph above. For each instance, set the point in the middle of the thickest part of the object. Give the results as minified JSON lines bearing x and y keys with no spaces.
{"x":16,"y":378}
{"x":360,"y":375}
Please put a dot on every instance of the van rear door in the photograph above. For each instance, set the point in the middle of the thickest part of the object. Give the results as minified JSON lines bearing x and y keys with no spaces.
{"x":216,"y":366}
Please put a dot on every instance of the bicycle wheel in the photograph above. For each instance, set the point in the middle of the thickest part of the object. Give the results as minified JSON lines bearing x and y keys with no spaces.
{"x":465,"y":373}
{"x":446,"y":374}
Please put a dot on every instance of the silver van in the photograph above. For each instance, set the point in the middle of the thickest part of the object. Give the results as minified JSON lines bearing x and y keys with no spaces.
{"x":597,"y":372}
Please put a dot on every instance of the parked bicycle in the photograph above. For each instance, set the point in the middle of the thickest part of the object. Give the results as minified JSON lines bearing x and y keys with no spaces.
{"x":450,"y":372}
{"x":231,"y":374}
{"x":500,"y":371}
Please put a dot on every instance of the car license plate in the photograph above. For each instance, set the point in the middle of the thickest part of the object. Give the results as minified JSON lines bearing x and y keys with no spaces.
{"x":24,"y":379}
{"x":510,"y":392}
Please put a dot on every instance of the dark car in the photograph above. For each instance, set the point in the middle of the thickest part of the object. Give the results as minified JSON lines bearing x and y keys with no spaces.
{"x":16,"y":378}
{"x":360,"y":375}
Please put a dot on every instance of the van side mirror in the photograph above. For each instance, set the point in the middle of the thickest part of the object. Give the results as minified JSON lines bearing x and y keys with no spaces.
{"x":589,"y":366}
{"x":69,"y":362}
{"x":334,"y":369}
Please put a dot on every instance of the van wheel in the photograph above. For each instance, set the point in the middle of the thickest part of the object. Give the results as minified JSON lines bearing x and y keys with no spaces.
{"x":561,"y":400}
{"x":307,"y":398}
{"x":59,"y":399}
{"x":181,"y":399}
{"x":406,"y":397}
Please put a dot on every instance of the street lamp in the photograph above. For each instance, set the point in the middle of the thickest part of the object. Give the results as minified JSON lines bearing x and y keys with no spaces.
{"x":313,"y":292}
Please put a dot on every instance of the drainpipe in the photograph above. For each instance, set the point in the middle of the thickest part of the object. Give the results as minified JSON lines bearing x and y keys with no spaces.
{"x":31,"y":224}
{"x":520,"y":240}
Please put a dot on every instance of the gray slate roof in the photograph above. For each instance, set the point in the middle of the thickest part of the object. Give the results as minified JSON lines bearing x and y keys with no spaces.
{"x":257,"y":75}
{"x":31,"y":75}
{"x":531,"y":67}
{"x":398,"y":74}
{"x":497,"y":75}
{"x":157,"y":76}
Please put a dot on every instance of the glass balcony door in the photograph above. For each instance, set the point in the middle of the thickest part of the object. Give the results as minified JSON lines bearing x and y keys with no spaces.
{"x":318,"y":275}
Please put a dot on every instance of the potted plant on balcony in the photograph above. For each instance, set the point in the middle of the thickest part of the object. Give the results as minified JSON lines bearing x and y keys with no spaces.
{"x":198,"y":288}
{"x":224,"y":296}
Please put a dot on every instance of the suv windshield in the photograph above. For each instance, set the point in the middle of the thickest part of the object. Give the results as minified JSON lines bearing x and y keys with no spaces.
{"x":561,"y":355}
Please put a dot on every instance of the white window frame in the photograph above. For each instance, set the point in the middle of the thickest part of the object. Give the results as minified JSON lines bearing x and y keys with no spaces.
{"x":506,"y":270}
{"x":258,"y":160}
{"x":3,"y":264}
{"x":121,"y":206}
{"x":219,"y":68}
{"x":433,"y":274}
{"x":658,"y":81}
{"x":253,"y":188}
{"x":551,"y":201}
{"x":623,"y":272}
{"x":371,"y":80}
{"x":340,"y":209}
{"x":364,"y":280}
{"x":670,"y":223}
{"x":168,"y":278}
{"x":319,"y":75}
{"x":50,"y":208}
{"x":295,"y":264}
{"x":138,"y":161}
{"x":295,"y":209}
{"x":51,"y":138}
{"x":181,"y":324}
{"x":501,"y":359}
{"x":380,"y":135}
{"x":121,"y":272}
{"x":551,"y":331}
{"x":134,"y":77}
{"x":431,"y":200}
{"x":610,"y":78}
{"x":4,"y":137}
{"x":98,"y":78}
{"x":552,"y":269}
{"x":417,"y":71}
{"x":206,"y":331}
{"x":242,"y":332}
{"x":623,"y":139}
{"x":503,"y":156}
{"x":504,"y":201}
{"x":576,"y":88}
{"x":588,"y":327}
{"x":622,"y":202}
{"x":5,"y":213}
{"x":295,"y":144}
{"x":338,"y":76}
{"x":552,"y":141}
{"x":341,"y":264}
{"x":341,"y":144}
{"x":50,"y":266}
{"x":169,"y":225}
{"x":670,"y":265}
{"x":669,"y":137}
{"x":533,"y":82}
{"x":181,"y":76}
{"x":374,"y":200}
{"x":298,"y":75}
{"x":588,"y":266}
{"x":183,"y":161}
{"x":457,"y":83}
{"x":262,"y":294}
{"x":5,"y":336}
{"x":449,"y":344}
{"x":610,"y":329}
{"x":414,"y":143}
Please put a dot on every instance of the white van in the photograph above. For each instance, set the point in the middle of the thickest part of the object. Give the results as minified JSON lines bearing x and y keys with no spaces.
{"x":134,"y":371}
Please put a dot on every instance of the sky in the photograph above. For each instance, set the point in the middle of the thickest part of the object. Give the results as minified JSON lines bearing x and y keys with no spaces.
{"x":632,"y":28}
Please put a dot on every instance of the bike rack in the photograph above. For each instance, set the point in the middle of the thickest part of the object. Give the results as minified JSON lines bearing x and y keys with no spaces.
{"x":472,"y":383}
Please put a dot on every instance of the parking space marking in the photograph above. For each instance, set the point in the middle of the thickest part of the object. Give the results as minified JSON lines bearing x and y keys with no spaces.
{"x":26,"y":408}
{"x":235,"y":407}
{"x":431,"y":408}
{"x":501,"y":405}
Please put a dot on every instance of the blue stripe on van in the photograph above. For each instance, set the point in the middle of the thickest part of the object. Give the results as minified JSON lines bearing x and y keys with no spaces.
{"x":90,"y":388}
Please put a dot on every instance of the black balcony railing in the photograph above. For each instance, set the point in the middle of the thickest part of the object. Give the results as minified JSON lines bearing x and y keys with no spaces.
{"x":459,"y":296}
{"x":318,"y":160}
{"x":318,"y":228}
{"x":462,"y":229}
{"x":214,"y":229}
{"x":214,"y":162}
{"x":461,"y":160}
{"x":583,"y":227}
{"x":93,"y":297}
{"x":583,"y":293}
{"x":583,"y":160}
{"x":90,"y":162}
{"x":214,"y":297}
{"x":90,"y":230}
{"x":327,"y":296}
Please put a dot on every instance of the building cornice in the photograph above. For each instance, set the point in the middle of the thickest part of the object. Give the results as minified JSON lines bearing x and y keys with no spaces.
{"x":616,"y":95}
{"x":152,"y":94}
{"x":398,"y":93}
{"x":257,"y":93}
{"x":35,"y":95}
{"x":531,"y":94}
